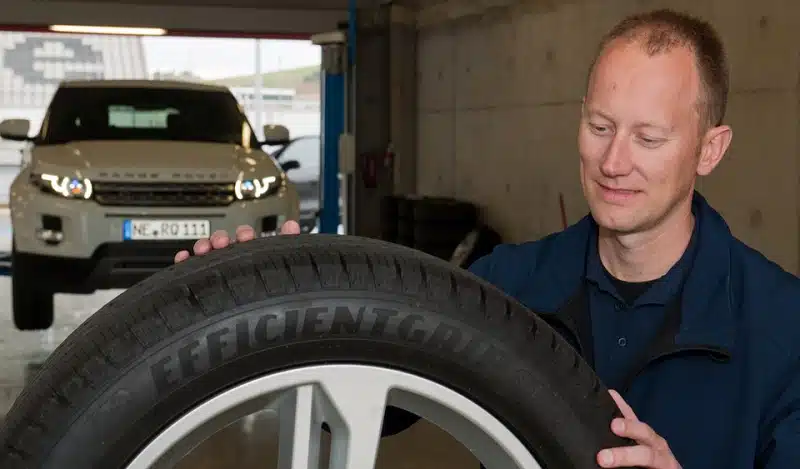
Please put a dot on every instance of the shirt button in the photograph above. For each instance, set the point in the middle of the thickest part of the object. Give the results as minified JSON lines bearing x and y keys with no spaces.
{"x":622,"y":341}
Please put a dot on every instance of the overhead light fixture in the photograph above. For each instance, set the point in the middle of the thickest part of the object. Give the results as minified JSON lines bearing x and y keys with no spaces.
{"x":123,"y":30}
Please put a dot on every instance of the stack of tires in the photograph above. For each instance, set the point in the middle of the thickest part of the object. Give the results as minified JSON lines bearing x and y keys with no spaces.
{"x":438,"y":226}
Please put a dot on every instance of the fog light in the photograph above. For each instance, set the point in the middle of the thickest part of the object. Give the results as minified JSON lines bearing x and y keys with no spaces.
{"x":271,"y":225}
{"x":50,"y":236}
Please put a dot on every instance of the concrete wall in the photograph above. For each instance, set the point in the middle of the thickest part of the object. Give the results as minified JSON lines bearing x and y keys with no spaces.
{"x":499,"y":99}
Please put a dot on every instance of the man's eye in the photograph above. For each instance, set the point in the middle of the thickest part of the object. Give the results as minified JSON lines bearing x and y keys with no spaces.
{"x":650,"y":142}
{"x":598,"y":129}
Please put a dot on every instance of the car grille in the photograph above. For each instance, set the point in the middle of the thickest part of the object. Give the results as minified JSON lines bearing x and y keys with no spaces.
{"x":166,"y":194}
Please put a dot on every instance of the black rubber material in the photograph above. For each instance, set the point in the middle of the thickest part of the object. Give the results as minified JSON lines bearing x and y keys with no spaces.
{"x":476,"y":245}
{"x":31,"y":298}
{"x":437,"y":209}
{"x":445,"y":233}
{"x":206,"y":324}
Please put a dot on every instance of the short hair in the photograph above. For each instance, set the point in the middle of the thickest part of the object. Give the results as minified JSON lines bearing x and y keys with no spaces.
{"x":659,"y":31}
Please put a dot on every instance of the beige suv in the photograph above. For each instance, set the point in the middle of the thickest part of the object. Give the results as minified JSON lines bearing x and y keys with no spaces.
{"x":122,"y":175}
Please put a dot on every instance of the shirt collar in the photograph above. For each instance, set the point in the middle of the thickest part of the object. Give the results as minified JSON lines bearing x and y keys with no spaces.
{"x":707,"y":315}
{"x":662,"y":290}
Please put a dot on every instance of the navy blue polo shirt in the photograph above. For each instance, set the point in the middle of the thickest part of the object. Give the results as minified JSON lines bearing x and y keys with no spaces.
{"x":723,"y":389}
{"x":622,"y":330}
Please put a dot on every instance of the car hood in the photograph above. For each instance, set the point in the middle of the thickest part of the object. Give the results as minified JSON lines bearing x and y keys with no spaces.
{"x":154,"y":160}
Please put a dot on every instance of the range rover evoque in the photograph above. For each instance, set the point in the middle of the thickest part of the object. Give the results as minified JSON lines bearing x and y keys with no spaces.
{"x":122,"y":174}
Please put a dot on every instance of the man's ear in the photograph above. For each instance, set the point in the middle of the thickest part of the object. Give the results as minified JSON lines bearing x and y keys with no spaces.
{"x":715,"y":143}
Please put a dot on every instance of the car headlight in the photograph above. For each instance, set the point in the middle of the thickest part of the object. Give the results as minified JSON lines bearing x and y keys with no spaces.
{"x":251,"y":189}
{"x":66,"y":186}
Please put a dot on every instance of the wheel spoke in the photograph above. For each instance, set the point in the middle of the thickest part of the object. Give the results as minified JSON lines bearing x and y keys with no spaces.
{"x":355,"y":418}
{"x":300,"y":427}
{"x":351,"y":400}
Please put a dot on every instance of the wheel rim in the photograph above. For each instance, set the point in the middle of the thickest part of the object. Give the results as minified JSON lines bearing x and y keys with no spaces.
{"x":351,"y":399}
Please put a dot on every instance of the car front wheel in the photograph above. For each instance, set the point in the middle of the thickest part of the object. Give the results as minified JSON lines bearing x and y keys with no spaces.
{"x":31,"y":294}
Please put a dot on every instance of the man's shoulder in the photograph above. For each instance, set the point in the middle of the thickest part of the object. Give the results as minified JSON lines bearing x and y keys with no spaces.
{"x":511,"y":260}
{"x":768,"y":296}
{"x":763,"y":296}
{"x":760,"y":275}
{"x":542,"y":262}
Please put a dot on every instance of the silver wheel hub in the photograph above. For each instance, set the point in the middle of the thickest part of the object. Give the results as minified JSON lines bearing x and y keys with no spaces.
{"x":351,"y":400}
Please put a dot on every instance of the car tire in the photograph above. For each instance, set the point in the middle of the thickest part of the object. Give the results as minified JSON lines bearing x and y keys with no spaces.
{"x":478,"y":243}
{"x":100,"y":397}
{"x":31,"y":293}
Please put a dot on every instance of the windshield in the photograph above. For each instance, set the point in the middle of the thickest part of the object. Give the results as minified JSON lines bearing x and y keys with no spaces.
{"x":128,"y":113}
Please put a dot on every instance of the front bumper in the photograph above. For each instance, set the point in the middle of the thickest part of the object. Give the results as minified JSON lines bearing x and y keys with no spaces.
{"x":59,"y":230}
{"x":113,"y":265}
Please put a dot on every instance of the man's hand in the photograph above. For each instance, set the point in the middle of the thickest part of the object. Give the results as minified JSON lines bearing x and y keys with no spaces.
{"x":651,"y":452}
{"x":220,"y":239}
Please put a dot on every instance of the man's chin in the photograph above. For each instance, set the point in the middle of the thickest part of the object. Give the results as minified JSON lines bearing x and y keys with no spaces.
{"x":616,"y":219}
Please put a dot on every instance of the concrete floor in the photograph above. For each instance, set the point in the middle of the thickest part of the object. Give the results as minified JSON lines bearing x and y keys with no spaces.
{"x":251,"y":443}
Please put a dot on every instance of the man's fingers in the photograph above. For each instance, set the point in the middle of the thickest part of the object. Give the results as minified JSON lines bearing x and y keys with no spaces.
{"x":181,"y":256}
{"x":290,"y":227}
{"x":652,"y":451}
{"x":640,"y":432}
{"x":636,"y":456}
{"x":245,"y":233}
{"x":626,"y":410}
{"x":201,"y":246}
{"x":220,"y":239}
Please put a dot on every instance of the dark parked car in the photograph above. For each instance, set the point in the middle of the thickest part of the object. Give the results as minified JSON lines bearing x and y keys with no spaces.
{"x":301,"y":159}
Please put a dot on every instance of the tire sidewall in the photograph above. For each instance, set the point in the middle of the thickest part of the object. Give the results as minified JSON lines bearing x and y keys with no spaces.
{"x":199,"y":362}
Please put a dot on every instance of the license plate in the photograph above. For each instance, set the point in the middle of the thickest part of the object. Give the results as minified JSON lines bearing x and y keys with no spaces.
{"x":165,"y":229}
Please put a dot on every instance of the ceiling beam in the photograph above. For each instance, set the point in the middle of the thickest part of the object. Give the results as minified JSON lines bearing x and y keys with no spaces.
{"x":257,"y":4}
{"x":207,"y":20}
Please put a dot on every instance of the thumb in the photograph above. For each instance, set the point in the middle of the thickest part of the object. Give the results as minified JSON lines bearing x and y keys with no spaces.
{"x":291,"y":227}
{"x":626,"y":410}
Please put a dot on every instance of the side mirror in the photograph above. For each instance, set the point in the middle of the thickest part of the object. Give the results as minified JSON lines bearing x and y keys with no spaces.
{"x":275,"y":135}
{"x":290,"y":165}
{"x":15,"y":129}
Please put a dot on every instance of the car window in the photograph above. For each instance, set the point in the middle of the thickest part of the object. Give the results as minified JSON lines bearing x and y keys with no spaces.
{"x":129,"y":117}
{"x":130,"y":113}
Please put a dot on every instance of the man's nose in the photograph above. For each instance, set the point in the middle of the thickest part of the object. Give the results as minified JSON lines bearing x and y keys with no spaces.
{"x":617,"y":158}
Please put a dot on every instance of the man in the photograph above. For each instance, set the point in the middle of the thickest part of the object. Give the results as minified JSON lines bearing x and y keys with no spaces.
{"x":694,"y":329}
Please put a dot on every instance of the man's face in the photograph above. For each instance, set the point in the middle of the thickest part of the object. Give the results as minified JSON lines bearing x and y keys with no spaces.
{"x":639,"y":136}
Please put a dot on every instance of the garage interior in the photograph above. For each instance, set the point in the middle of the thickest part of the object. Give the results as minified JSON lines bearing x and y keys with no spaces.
{"x":439,"y":93}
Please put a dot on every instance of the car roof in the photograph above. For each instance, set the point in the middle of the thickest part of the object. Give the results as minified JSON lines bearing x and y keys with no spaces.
{"x":143,"y":83}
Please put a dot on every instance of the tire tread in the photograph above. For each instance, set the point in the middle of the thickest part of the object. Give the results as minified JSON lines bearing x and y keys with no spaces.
{"x":200,"y":288}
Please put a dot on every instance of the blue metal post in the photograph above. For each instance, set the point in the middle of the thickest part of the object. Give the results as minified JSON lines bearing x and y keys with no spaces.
{"x":333,"y":100}
{"x":334,"y":91}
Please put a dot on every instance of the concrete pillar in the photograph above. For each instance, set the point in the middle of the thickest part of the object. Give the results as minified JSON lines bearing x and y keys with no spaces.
{"x":403,"y":98}
{"x":384,"y":113}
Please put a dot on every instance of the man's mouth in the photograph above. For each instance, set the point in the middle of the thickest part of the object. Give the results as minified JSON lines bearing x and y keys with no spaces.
{"x":616,"y":194}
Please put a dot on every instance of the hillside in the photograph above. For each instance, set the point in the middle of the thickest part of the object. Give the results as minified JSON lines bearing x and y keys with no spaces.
{"x":303,"y":79}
